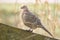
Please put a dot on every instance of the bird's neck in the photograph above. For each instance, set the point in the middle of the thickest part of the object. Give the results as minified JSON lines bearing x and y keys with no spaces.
{"x":26,"y":10}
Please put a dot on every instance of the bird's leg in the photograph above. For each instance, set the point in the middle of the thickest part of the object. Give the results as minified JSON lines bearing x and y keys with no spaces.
{"x":30,"y":30}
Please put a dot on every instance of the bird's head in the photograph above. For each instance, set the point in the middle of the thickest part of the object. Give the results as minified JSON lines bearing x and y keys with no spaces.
{"x":24,"y":7}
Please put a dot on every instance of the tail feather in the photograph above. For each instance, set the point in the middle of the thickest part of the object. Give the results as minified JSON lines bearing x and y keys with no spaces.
{"x":46,"y":30}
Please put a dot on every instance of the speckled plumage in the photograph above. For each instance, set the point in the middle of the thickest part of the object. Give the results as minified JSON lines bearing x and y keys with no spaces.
{"x":31,"y":20}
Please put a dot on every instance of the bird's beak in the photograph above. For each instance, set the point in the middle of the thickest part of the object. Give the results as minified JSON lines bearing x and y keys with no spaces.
{"x":21,"y":7}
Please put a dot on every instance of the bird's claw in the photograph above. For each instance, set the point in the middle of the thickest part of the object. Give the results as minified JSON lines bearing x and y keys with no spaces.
{"x":29,"y":30}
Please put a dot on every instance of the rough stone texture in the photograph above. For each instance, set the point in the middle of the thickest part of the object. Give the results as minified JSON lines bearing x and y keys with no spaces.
{"x":11,"y":33}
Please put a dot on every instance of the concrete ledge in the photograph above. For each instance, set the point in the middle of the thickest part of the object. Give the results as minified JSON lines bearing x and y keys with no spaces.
{"x":11,"y":33}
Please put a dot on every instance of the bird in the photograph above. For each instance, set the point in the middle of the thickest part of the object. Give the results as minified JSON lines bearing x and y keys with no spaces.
{"x":31,"y":20}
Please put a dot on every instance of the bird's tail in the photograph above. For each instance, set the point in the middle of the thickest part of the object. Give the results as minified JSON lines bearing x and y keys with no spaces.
{"x":46,"y":30}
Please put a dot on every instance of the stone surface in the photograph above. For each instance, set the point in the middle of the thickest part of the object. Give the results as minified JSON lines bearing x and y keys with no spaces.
{"x":11,"y":33}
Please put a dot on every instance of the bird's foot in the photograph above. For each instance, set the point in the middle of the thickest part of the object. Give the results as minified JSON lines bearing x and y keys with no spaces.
{"x":29,"y":30}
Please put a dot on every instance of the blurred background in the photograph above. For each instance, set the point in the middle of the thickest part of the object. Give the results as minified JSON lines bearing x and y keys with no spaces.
{"x":47,"y":10}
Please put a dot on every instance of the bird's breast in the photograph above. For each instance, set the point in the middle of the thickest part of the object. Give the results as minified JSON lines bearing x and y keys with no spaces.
{"x":28,"y":18}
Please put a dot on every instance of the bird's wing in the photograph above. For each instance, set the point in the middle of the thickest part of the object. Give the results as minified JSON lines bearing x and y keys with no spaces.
{"x":29,"y":17}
